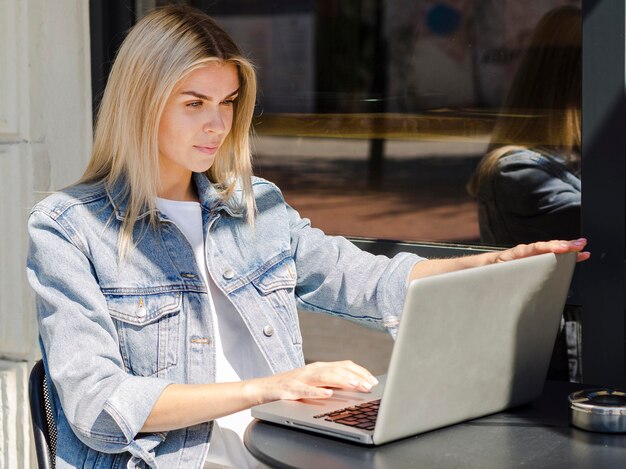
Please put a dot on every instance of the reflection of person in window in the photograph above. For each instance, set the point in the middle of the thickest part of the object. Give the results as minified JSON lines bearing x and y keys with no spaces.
{"x":528,"y":186}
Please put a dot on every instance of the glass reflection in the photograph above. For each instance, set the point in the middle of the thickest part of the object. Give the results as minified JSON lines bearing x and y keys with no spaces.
{"x":373,"y":115}
{"x":528,"y":184}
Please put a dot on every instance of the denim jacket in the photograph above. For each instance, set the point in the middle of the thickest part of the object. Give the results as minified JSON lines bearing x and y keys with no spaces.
{"x":530,"y":197}
{"x":115,"y":334}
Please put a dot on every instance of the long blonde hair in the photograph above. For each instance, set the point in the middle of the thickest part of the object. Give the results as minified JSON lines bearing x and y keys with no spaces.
{"x":160,"y":50}
{"x":543,"y":108}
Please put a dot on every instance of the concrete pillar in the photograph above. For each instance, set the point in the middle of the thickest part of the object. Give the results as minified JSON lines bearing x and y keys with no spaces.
{"x":45,"y":139}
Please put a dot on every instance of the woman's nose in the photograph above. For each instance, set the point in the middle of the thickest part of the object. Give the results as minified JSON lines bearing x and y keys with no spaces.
{"x":214,"y":123}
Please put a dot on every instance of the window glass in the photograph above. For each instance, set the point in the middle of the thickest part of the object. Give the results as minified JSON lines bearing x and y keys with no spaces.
{"x":374,"y":115}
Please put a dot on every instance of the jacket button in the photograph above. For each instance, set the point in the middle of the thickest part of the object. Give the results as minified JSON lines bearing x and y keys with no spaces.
{"x":268,"y":331}
{"x":141,"y":311}
{"x":228,"y":274}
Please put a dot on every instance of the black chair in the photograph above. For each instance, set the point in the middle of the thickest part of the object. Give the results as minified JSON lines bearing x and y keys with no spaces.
{"x":44,"y":427}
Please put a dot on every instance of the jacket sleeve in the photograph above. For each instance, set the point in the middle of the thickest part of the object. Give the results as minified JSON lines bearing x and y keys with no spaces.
{"x":336,"y":277}
{"x":541,"y":197}
{"x":105,"y":406}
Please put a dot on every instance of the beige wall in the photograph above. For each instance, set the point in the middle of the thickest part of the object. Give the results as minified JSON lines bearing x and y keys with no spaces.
{"x":45,"y":137}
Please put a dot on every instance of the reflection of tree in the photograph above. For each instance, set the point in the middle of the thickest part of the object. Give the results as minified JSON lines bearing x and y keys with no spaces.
{"x":346,"y":39}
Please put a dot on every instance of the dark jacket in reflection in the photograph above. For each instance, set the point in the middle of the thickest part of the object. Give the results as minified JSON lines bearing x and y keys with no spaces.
{"x":530,"y":197}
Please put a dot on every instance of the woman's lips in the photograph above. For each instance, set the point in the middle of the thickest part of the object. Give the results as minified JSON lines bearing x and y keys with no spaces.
{"x":209,"y":150}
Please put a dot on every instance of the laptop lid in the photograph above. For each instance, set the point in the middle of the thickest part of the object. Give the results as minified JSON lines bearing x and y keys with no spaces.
{"x":473,"y":342}
{"x":470,"y":343}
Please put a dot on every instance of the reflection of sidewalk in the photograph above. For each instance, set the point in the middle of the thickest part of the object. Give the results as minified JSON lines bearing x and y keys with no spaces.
{"x":442,"y":125}
{"x":302,"y":147}
{"x":422,"y":195}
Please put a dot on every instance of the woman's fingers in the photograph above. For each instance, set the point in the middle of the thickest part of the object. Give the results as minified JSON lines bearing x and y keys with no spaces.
{"x":343,"y":375}
{"x":314,"y":380}
{"x":583,"y":256}
{"x":541,"y":247}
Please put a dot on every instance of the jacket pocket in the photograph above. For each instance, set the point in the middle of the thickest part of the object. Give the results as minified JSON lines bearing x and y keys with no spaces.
{"x":148,"y":327}
{"x":276,"y":285}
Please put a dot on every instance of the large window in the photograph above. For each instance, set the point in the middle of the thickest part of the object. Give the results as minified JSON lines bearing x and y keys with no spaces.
{"x":373,"y":115}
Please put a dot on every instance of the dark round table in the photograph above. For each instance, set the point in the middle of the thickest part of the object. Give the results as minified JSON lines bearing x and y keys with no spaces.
{"x":536,"y":435}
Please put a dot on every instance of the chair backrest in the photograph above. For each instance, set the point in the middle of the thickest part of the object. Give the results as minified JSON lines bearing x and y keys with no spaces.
{"x":44,"y":427}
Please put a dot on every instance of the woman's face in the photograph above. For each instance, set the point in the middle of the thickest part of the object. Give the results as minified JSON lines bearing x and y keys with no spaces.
{"x":197,"y":117}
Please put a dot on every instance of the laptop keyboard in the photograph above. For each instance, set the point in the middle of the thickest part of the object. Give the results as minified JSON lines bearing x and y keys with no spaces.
{"x":359,"y":416}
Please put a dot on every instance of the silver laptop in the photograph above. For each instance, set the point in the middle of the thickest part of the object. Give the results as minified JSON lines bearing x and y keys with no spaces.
{"x":470,"y":343}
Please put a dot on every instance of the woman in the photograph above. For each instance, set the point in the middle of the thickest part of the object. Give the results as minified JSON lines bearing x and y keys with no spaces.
{"x":528,"y":185}
{"x":167,"y":279}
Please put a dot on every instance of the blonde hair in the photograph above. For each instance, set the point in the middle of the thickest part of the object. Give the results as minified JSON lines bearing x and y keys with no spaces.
{"x":543,"y":108}
{"x":158,"y":52}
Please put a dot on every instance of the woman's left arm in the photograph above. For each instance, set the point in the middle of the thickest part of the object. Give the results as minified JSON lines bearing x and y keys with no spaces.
{"x":439,"y":266}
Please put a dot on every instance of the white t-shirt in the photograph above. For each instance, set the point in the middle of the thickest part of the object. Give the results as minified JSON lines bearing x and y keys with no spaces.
{"x":237,"y":355}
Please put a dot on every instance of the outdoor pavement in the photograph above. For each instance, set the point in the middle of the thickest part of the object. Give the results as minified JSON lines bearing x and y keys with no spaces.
{"x":421,"y":195}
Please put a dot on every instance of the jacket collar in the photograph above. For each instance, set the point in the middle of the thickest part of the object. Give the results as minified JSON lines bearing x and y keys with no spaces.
{"x":209,"y":198}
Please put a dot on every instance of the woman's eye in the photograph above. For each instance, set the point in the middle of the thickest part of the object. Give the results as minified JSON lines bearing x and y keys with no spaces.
{"x":194,"y":104}
{"x":228,"y":102}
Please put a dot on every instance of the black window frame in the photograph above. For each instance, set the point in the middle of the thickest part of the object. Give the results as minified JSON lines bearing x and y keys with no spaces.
{"x":600,"y":281}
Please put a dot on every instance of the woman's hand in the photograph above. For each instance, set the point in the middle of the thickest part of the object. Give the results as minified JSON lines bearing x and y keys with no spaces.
{"x":184,"y":405}
{"x":312,"y":382}
{"x":430,"y":267}
{"x":542,"y":247}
